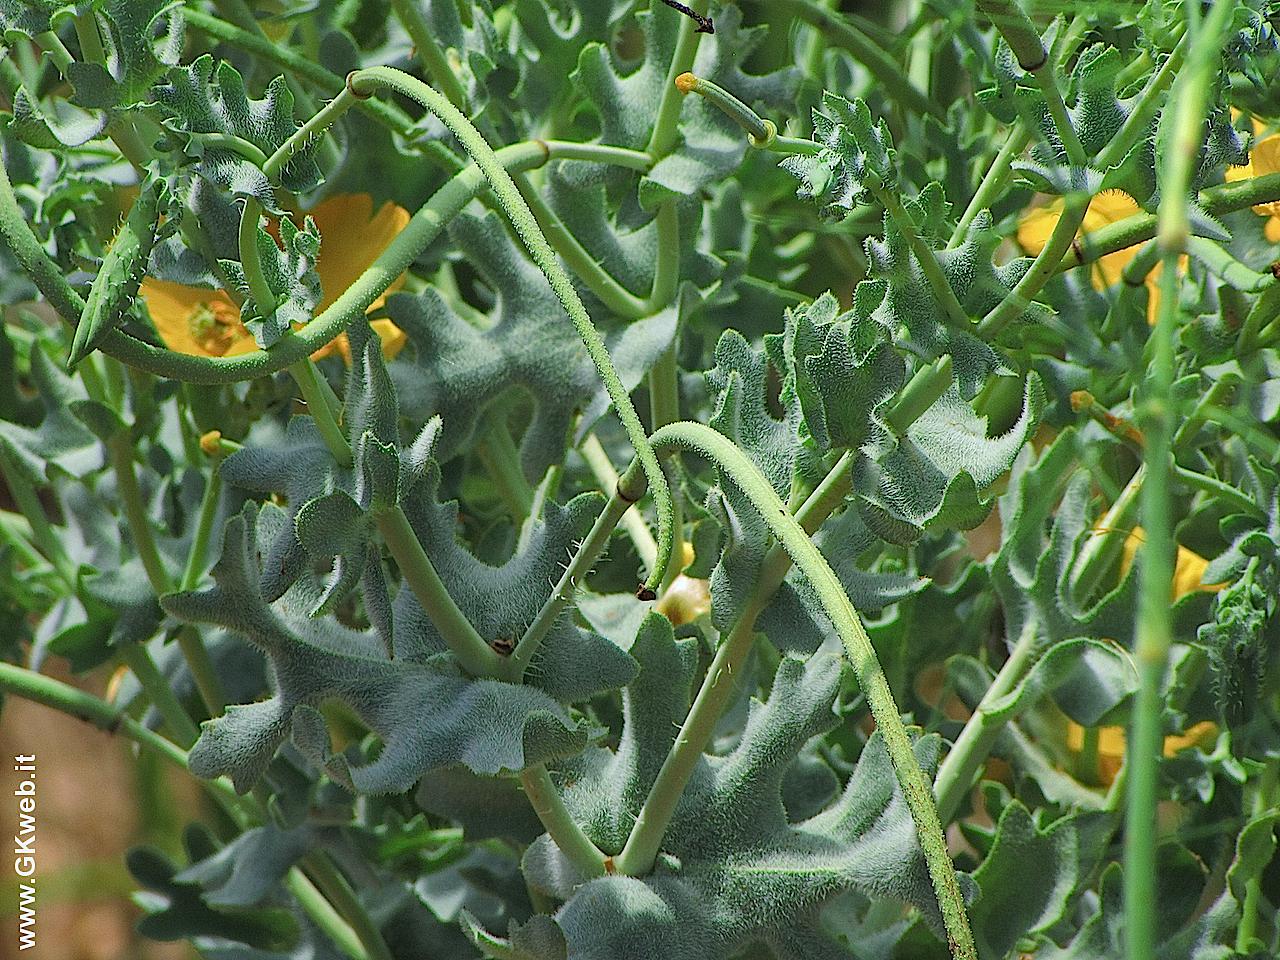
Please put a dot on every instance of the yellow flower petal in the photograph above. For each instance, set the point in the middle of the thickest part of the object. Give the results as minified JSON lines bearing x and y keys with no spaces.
{"x":194,"y":320}
{"x":1264,"y":158}
{"x":1111,"y":745}
{"x":1188,"y":570}
{"x":1104,"y":209}
{"x":207,"y":322}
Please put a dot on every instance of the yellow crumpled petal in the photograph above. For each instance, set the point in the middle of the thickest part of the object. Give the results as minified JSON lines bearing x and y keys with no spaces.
{"x":1108,"y":207}
{"x":204,"y":322}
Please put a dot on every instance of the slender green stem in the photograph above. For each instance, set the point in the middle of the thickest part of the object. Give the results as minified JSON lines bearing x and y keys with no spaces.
{"x":955,"y":775}
{"x":366,"y":82}
{"x":1190,"y":101}
{"x":928,"y":260}
{"x":662,"y":139}
{"x":615,"y":297}
{"x":476,"y":656}
{"x":626,"y":492}
{"x":433,"y":59}
{"x":198,"y":554}
{"x":1105,"y":543}
{"x":1220,"y":491}
{"x":791,"y":535}
{"x":42,"y":532}
{"x":322,"y":912}
{"x":1217,"y":394}
{"x":120,"y":454}
{"x":309,"y":131}
{"x":156,"y":687}
{"x":607,"y":478}
{"x":337,"y":891}
{"x":1008,"y":17}
{"x":228,"y":141}
{"x":1046,"y":78}
{"x":501,"y":459}
{"x":993,"y":181}
{"x":85,"y":706}
{"x":307,"y":377}
{"x":1263,"y":801}
{"x":728,"y":104}
{"x":250,"y":217}
{"x":713,"y":696}
{"x":1131,"y":231}
{"x":839,"y":31}
{"x":923,"y":391}
{"x":563,"y":829}
{"x":55,"y":50}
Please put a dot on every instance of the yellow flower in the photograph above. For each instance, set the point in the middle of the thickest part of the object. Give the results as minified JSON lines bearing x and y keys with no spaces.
{"x":207,"y":322}
{"x":1108,"y":207}
{"x":1187,"y":576}
{"x":1263,"y":158}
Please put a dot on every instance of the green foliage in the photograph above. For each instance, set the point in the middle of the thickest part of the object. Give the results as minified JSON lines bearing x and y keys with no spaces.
{"x":386,"y":611}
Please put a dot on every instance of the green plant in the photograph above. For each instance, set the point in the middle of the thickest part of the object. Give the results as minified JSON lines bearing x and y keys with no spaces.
{"x":399,"y":457}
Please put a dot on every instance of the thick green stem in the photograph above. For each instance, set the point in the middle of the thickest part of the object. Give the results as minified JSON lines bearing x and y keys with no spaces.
{"x":626,"y":492}
{"x":662,"y":140}
{"x":993,"y":181}
{"x":651,"y":824}
{"x":501,"y":459}
{"x":85,"y":706}
{"x":563,"y":829}
{"x":309,"y":382}
{"x":1045,"y":266}
{"x":476,"y":656}
{"x":955,"y":775}
{"x":714,"y":446}
{"x":606,"y":475}
{"x":1105,"y":543}
{"x":366,"y":82}
{"x":337,"y":891}
{"x":1190,"y":101}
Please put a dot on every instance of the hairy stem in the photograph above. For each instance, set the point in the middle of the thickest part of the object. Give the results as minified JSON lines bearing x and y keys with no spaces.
{"x":337,"y":891}
{"x":429,"y":52}
{"x":662,"y":140}
{"x":476,"y":656}
{"x":563,"y":829}
{"x":366,"y":82}
{"x":746,"y":476}
{"x":651,"y":824}
{"x":626,"y":492}
{"x":607,"y":478}
{"x":955,"y":775}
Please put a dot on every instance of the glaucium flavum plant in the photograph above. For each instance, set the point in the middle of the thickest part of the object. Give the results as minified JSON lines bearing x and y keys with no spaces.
{"x":920,"y":362}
